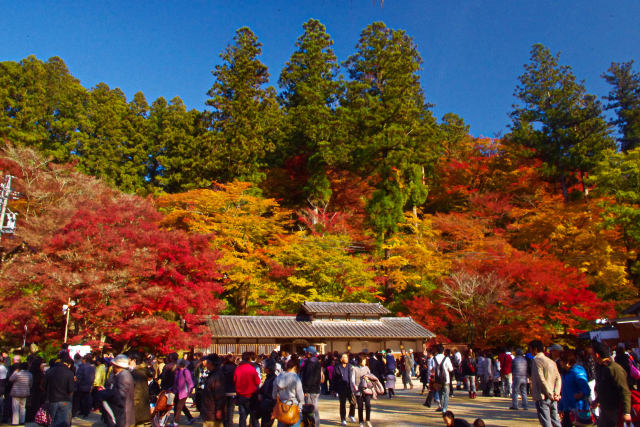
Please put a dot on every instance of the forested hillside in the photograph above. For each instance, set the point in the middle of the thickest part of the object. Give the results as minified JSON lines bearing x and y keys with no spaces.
{"x":331,"y":180}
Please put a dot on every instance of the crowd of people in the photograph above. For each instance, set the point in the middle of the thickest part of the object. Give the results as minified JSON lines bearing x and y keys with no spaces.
{"x":567,"y":387}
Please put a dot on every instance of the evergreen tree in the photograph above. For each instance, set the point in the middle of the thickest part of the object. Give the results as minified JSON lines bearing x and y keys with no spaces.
{"x":111,"y":147}
{"x":310,"y":90}
{"x":41,"y":105}
{"x":180,"y":146}
{"x":624,"y":99}
{"x":389,"y":128}
{"x":245,"y":115}
{"x":558,"y":119}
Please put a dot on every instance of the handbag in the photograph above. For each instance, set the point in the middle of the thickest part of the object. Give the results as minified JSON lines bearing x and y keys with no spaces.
{"x":286,"y":412}
{"x":43,"y":417}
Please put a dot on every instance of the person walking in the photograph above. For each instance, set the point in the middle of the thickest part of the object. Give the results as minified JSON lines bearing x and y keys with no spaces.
{"x":4,"y":380}
{"x":246,"y":381}
{"x":519,"y":385}
{"x":344,"y":388}
{"x":545,"y":386}
{"x":311,"y":377}
{"x":506,"y":376}
{"x":120,"y":396}
{"x":265,"y":394}
{"x":424,"y":374}
{"x":288,"y":388}
{"x":227,"y":371}
{"x":21,"y":381}
{"x":58,"y":385}
{"x":36,"y":398}
{"x":363,"y":399}
{"x":390,"y":373}
{"x":406,"y":365}
{"x":182,"y":387}
{"x":612,"y":390}
{"x":85,"y":376}
{"x":469,"y":369}
{"x":213,"y":399}
{"x":442,"y":369}
{"x":142,"y":374}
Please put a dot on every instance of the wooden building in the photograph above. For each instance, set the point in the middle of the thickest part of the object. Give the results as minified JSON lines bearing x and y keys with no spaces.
{"x":629,"y":327}
{"x":329,"y":326}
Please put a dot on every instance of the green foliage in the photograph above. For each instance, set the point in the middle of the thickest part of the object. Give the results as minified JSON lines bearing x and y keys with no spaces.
{"x":179,"y":158}
{"x":245,"y":116}
{"x":624,"y":99}
{"x":310,"y":91}
{"x":558,"y":119}
{"x":323,"y":269}
{"x":618,"y":176}
{"x":41,"y":105}
{"x":390,"y":130}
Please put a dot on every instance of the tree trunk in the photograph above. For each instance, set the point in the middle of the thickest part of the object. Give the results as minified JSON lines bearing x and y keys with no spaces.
{"x":565,"y":191}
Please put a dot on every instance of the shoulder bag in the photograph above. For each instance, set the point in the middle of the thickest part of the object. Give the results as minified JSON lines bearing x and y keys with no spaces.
{"x":286,"y":412}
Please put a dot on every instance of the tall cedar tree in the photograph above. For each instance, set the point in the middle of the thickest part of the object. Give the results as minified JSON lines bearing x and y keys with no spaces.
{"x":390,"y":129}
{"x":245,"y":115}
{"x":624,"y":99}
{"x":309,"y":94}
{"x":558,"y":119}
{"x":179,"y":159}
{"x":41,"y":105}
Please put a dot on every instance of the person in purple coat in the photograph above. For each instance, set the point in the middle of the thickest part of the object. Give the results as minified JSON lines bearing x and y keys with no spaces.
{"x":182,"y":387}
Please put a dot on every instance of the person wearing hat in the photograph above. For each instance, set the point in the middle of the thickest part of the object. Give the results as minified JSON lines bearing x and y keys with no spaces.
{"x":58,"y":385}
{"x":612,"y":391}
{"x":556,"y":350}
{"x":121,"y":397}
{"x":311,"y":377}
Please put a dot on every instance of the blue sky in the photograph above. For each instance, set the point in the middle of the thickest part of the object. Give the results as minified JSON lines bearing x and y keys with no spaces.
{"x":473,"y":51}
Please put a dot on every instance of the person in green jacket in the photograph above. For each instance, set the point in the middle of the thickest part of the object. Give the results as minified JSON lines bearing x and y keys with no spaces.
{"x":613,"y":395}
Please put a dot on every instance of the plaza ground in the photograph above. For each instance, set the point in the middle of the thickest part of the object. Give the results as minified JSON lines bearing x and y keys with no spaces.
{"x":406,"y":410}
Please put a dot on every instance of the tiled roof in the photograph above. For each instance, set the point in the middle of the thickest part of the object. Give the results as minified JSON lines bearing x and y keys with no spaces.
{"x":313,"y":307}
{"x":632,"y":309}
{"x":289,"y":327}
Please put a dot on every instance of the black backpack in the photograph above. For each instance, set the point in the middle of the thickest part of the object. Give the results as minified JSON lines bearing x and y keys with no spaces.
{"x":440,"y":376}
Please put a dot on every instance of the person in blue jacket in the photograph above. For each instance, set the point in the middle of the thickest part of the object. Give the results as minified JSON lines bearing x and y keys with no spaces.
{"x":575,"y":387}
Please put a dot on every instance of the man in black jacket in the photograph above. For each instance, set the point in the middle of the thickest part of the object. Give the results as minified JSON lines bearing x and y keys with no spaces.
{"x":342,"y":385}
{"x":311,"y":377}
{"x":58,"y":384}
{"x":612,"y":390}
{"x":227,"y":370}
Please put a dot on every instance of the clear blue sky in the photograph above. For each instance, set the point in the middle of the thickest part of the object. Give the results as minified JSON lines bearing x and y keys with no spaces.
{"x":473,"y":51}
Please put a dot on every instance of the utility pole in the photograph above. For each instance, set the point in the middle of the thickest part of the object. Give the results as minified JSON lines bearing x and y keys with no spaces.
{"x":7,"y":194}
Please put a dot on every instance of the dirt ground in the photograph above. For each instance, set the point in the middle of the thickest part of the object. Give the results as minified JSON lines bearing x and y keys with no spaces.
{"x":406,"y":410}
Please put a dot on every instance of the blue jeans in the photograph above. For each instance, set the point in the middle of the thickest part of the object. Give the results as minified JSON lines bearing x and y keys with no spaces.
{"x":548,"y":413}
{"x":471,"y":383}
{"x":519,"y":388}
{"x":60,"y":414}
{"x":244,"y":409}
{"x":444,"y":397}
